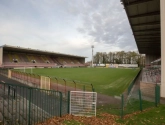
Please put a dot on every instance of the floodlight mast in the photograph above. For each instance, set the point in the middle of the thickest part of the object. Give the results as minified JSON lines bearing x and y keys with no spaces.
{"x":92,"y":54}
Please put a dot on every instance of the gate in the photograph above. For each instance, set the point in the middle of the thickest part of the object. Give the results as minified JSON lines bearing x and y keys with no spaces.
{"x":83,"y":103}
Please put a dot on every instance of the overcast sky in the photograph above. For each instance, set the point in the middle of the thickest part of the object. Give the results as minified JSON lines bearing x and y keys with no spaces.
{"x":66,"y":26}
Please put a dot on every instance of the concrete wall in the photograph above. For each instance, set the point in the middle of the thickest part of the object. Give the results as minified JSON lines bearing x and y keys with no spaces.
{"x":162,"y":14}
{"x":148,"y":89}
{"x":1,"y":56}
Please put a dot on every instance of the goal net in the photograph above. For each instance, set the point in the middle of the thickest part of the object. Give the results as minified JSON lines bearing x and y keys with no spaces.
{"x":25,"y":69}
{"x":83,"y":103}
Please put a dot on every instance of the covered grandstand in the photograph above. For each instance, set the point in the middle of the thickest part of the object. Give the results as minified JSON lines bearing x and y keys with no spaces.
{"x":147,"y":21}
{"x":12,"y":57}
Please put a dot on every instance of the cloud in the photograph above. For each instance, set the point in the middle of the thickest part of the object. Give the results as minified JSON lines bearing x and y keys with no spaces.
{"x":66,"y":26}
{"x":108,"y":24}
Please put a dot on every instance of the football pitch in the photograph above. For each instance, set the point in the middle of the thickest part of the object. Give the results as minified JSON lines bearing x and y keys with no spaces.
{"x":108,"y":81}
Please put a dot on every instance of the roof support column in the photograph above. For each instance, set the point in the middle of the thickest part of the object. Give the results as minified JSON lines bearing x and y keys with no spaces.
{"x":1,"y":56}
{"x":162,"y":16}
{"x":147,"y":60}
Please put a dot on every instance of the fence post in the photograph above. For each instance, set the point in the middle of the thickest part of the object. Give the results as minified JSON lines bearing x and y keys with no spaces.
{"x":14,"y":92}
{"x":68,"y":102}
{"x":65,"y":86}
{"x":140,"y":100}
{"x":156,"y":103}
{"x":3,"y":112}
{"x":122,"y":105}
{"x":92,"y":88}
{"x":158,"y":89}
{"x":57,"y":83}
{"x":8,"y":90}
{"x":29,"y":106}
{"x":157,"y":95}
{"x":60,"y":104}
{"x":84,"y":88}
{"x":75,"y":85}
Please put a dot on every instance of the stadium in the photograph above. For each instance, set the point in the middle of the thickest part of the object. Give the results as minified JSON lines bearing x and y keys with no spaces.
{"x":26,"y":57}
{"x":37,"y":85}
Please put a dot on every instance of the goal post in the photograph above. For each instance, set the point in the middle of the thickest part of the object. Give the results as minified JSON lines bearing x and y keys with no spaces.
{"x":24,"y":69}
{"x":30,"y":68}
{"x":83,"y":103}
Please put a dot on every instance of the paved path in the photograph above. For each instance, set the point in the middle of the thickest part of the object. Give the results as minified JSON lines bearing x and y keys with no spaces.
{"x":137,"y":86}
{"x":49,"y":102}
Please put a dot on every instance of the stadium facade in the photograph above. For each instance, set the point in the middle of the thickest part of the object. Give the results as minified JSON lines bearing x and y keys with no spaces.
{"x":15,"y":56}
{"x":147,"y":21}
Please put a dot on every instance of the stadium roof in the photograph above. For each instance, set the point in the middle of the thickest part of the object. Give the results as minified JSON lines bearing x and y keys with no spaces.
{"x":144,"y":18}
{"x":157,"y":60}
{"x":35,"y":51}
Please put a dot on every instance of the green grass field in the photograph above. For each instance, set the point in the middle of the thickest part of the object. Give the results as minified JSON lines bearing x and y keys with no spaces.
{"x":109,"y":81}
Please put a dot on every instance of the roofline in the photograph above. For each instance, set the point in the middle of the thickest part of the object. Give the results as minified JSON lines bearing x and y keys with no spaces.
{"x":42,"y":51}
{"x":123,"y":3}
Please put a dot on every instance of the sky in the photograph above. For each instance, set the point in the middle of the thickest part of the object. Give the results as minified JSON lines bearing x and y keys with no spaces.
{"x":66,"y":26}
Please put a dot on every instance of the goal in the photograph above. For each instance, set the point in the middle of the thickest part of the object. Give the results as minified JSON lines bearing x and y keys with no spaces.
{"x":83,"y":103}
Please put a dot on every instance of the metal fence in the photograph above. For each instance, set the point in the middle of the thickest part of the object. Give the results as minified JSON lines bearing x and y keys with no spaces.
{"x":58,"y":84}
{"x":27,"y":106}
{"x":136,"y":101}
{"x":139,"y":100}
{"x":4,"y":71}
{"x":133,"y":82}
{"x":127,"y":103}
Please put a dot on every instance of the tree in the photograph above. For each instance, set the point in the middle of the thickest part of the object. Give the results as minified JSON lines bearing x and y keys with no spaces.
{"x":120,"y":57}
{"x":105,"y":58}
{"x":96,"y":58}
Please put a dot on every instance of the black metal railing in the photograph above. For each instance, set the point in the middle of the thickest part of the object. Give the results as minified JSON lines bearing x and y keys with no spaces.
{"x":27,"y":106}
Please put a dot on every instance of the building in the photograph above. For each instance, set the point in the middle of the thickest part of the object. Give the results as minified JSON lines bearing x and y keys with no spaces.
{"x":147,"y":20}
{"x":12,"y":57}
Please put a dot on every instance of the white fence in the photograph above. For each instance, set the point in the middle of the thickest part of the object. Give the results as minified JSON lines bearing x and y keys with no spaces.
{"x":83,"y":103}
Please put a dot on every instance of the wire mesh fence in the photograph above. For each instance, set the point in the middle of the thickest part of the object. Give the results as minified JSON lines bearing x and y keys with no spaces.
{"x":111,"y":108}
{"x":137,"y":100}
{"x":58,"y":84}
{"x":27,"y":106}
{"x":131,"y":103}
{"x":127,"y":103}
{"x":133,"y":82}
{"x":4,"y":71}
{"x":140,"y":99}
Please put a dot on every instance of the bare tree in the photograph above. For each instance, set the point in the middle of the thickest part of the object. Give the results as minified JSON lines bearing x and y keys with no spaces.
{"x":120,"y":57}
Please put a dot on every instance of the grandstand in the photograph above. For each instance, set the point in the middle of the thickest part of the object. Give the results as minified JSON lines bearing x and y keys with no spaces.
{"x":12,"y":57}
{"x":152,"y":73}
{"x":147,"y":21}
